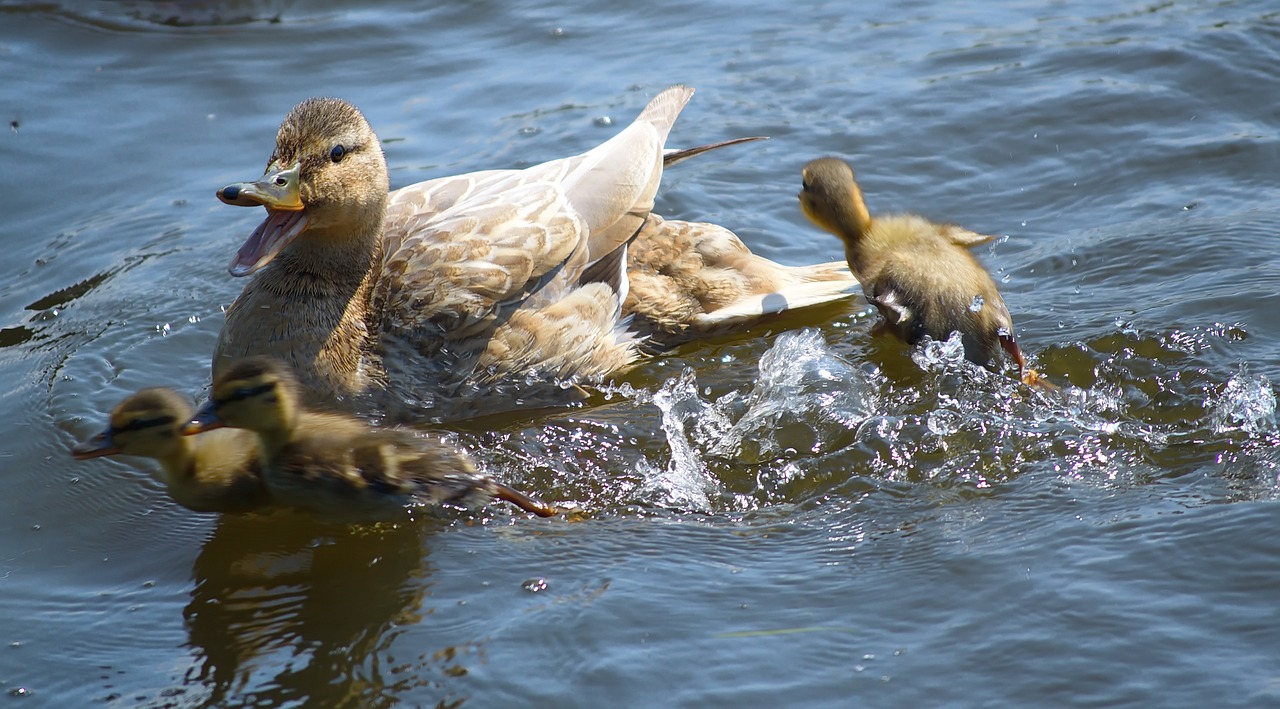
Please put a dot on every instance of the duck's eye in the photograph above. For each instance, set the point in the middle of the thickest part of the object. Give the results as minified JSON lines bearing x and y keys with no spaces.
{"x":804,"y":185}
{"x":338,"y":153}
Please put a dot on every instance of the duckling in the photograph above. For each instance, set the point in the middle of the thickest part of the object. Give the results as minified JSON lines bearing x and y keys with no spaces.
{"x":918,"y":274}
{"x":214,"y":473}
{"x":461,"y":296}
{"x":338,"y":465}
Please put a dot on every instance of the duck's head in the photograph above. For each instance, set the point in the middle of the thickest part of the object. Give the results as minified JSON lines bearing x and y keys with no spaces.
{"x":830,"y":198}
{"x":257,"y":393}
{"x":327,"y":178}
{"x":147,"y":424}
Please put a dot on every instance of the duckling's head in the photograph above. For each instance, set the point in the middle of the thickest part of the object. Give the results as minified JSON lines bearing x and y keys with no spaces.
{"x":830,"y":198}
{"x":327,"y":180}
{"x":257,"y":393}
{"x":147,"y":423}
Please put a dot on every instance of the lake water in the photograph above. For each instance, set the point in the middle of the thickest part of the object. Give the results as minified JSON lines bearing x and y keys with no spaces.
{"x":794,"y":517}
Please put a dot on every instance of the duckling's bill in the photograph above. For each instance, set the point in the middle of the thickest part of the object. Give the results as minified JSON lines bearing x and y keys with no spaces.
{"x":280,"y":193}
{"x":205,"y":419}
{"x":97,"y":447}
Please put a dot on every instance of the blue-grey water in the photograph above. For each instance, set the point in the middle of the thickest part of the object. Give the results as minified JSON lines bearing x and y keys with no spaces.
{"x":802,"y":516}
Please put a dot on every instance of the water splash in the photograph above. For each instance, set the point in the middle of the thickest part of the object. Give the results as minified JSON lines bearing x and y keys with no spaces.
{"x":804,"y":397}
{"x":934,"y":355}
{"x":685,"y":481}
{"x":1247,"y":403}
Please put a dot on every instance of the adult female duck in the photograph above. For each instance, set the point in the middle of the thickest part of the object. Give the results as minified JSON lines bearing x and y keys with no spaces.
{"x":463,"y":295}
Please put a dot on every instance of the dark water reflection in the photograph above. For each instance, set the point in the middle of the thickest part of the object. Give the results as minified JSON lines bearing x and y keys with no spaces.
{"x":814,"y":517}
{"x":282,"y":606}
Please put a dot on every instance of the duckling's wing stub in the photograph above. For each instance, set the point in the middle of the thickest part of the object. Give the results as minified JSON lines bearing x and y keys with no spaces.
{"x":962,"y":237}
{"x":898,"y":308}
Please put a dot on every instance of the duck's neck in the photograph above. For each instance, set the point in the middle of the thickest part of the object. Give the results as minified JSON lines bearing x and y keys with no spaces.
{"x":273,"y":438}
{"x":852,"y":222}
{"x":325,"y":264}
{"x":179,"y":463}
{"x":310,"y":308}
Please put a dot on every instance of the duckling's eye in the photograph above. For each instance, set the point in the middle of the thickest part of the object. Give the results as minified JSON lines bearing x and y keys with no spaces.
{"x":338,"y":153}
{"x":140,"y":424}
{"x":246,"y":392}
{"x":805,"y":186}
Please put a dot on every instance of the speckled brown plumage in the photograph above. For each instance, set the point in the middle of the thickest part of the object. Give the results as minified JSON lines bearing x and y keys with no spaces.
{"x":691,"y":280}
{"x":478,"y":293}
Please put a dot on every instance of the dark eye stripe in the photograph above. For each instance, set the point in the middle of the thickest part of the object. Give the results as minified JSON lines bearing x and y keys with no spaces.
{"x":245,"y":392}
{"x":139,"y":424}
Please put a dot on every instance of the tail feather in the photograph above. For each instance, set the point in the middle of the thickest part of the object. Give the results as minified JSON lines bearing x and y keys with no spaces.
{"x":674,"y":156}
{"x":827,"y":287}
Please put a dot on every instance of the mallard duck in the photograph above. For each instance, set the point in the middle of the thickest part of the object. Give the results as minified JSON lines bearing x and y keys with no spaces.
{"x":463,"y":295}
{"x":918,"y":274}
{"x":214,"y":473}
{"x":338,"y":465}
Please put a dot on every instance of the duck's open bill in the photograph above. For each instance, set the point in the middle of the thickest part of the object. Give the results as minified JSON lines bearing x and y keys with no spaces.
{"x":280,"y":193}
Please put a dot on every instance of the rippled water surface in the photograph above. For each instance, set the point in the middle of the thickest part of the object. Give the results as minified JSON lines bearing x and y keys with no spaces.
{"x":804,"y":515}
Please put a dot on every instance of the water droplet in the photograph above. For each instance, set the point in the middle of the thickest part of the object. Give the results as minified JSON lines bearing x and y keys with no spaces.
{"x":20,"y":692}
{"x":603,"y":121}
{"x":975,"y":305}
{"x":534,"y":585}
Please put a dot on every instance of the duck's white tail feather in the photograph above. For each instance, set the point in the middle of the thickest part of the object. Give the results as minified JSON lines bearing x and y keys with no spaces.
{"x":758,"y":305}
